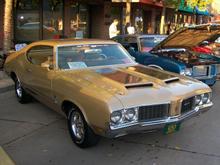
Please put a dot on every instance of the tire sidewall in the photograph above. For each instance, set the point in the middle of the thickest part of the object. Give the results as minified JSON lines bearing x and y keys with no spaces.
{"x":69,"y":119}
{"x":16,"y":84}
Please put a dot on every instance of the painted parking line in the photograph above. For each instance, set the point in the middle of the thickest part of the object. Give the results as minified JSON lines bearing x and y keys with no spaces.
{"x":4,"y":158}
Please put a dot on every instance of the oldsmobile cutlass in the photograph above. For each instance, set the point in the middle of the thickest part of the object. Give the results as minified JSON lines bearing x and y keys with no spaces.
{"x":102,"y":91}
{"x":180,"y":52}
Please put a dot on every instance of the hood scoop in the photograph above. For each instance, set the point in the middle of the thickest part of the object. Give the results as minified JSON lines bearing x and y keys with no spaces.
{"x":172,"y":80}
{"x":138,"y":85}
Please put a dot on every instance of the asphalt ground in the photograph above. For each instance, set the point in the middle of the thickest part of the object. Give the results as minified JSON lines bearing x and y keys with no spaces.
{"x":32,"y":134}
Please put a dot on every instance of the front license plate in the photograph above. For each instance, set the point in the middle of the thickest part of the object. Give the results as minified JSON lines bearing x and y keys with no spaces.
{"x":171,"y":128}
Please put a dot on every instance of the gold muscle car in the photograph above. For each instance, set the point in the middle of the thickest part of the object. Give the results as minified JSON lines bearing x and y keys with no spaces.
{"x":101,"y":90}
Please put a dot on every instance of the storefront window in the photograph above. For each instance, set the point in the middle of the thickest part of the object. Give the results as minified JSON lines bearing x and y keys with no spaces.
{"x":27,"y":22}
{"x":79,"y":20}
{"x":52,"y":18}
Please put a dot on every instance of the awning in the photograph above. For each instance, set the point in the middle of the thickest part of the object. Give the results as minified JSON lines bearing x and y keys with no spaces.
{"x":202,"y":12}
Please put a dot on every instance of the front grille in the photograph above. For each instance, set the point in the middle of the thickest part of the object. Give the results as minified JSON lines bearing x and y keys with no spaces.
{"x":187,"y":105}
{"x":153,"y":112}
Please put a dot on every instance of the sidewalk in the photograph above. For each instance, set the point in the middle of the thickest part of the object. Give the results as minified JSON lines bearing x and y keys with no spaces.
{"x":6,"y":82}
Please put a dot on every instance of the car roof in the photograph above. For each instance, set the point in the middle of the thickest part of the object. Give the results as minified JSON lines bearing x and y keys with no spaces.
{"x":63,"y":42}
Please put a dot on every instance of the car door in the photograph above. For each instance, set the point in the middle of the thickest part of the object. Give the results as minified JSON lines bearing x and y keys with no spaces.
{"x":39,"y":71}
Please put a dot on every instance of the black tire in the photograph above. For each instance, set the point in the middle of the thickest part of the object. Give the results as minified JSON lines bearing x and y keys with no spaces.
{"x":88,"y":138}
{"x":21,"y":94}
{"x":211,"y":85}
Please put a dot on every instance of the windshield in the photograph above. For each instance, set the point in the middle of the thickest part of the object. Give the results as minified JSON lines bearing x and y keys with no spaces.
{"x":84,"y":56}
{"x":148,"y":43}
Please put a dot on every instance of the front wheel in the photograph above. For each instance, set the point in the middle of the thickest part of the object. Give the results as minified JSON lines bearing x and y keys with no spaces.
{"x":21,"y":94}
{"x":81,"y":134}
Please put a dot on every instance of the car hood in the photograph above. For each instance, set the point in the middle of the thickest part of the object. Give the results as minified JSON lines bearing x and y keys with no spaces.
{"x":121,"y":81}
{"x":189,"y":37}
{"x":133,"y":85}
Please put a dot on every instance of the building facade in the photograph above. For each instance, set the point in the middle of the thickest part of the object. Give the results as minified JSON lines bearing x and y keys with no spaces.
{"x":46,"y":19}
{"x":1,"y":22}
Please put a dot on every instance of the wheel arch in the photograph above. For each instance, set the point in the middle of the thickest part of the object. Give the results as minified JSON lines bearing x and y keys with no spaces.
{"x":13,"y":75}
{"x":67,"y":104}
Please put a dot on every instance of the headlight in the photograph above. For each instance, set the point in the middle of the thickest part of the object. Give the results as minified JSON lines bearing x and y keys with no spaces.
{"x":131,"y":114}
{"x":205,"y":98}
{"x":116,"y":117}
{"x":198,"y":100}
{"x":124,"y":116}
{"x":186,"y":72}
{"x":202,"y":99}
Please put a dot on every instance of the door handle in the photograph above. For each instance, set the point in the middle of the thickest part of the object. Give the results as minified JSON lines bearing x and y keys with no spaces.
{"x":29,"y":70}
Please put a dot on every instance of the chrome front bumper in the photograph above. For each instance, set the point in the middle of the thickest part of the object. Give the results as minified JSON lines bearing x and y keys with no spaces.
{"x":150,"y":126}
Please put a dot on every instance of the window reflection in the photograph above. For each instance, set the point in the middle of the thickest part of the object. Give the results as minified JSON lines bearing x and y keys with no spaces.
{"x":52,"y":18}
{"x":27,"y":21}
{"x":79,"y":20}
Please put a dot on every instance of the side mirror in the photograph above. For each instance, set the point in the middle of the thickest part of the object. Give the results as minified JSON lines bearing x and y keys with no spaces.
{"x":131,"y":48}
{"x":46,"y":65}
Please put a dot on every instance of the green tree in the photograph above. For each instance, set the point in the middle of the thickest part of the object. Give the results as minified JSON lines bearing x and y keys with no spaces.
{"x":200,"y":4}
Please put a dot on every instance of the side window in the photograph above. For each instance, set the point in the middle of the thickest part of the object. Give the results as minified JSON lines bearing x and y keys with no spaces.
{"x":40,"y":54}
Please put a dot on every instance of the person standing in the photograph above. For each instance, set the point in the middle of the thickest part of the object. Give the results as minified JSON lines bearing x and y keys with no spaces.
{"x":130,"y":29}
{"x":113,"y":31}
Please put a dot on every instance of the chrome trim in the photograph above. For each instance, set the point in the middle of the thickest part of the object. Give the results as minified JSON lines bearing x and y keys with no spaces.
{"x":169,"y":50}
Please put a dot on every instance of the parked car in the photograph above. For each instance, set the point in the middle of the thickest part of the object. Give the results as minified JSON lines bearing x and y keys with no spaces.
{"x":102,"y":91}
{"x":211,"y":46}
{"x":177,"y":53}
{"x":143,"y":43}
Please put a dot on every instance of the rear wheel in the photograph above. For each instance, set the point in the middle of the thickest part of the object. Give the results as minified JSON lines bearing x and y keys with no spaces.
{"x":211,"y":85}
{"x":21,"y":94}
{"x":81,"y":134}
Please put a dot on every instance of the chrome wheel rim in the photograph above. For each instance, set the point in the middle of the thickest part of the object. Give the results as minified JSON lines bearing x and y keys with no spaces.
{"x":77,"y":126}
{"x":18,"y":88}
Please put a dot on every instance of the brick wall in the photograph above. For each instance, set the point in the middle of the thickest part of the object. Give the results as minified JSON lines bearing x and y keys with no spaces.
{"x":1,"y":23}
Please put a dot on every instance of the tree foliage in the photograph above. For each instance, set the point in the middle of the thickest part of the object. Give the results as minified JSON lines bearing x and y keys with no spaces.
{"x":200,"y":4}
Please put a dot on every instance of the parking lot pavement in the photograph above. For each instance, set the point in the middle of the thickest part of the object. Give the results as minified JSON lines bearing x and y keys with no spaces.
{"x":6,"y":83}
{"x":33,"y":134}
